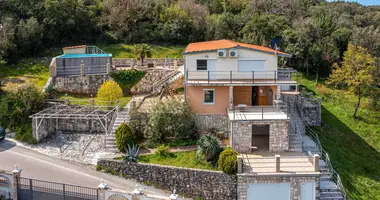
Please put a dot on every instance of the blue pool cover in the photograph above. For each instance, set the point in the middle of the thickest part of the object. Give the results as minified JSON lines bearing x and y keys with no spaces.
{"x":84,"y":55}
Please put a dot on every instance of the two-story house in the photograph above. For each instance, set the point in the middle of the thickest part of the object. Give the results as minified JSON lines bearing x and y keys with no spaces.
{"x":228,"y":82}
{"x":236,"y":87}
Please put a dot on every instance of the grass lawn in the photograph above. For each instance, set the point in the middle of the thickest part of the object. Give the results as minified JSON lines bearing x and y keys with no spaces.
{"x":28,"y":71}
{"x":85,"y":100}
{"x":126,"y":51}
{"x":353,"y":144}
{"x":178,"y":159}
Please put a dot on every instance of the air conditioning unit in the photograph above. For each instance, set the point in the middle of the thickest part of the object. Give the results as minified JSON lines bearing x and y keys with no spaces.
{"x":233,"y":53}
{"x":222,"y":53}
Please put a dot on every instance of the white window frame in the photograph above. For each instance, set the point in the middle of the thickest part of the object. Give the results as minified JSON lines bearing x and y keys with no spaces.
{"x":213,"y":97}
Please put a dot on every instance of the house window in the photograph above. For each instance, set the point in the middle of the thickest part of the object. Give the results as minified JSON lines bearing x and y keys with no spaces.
{"x":201,"y":64}
{"x":208,"y":96}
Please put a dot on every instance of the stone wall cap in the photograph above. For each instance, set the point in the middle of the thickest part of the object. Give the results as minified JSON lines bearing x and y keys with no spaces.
{"x":305,"y":174}
{"x":163,"y":166}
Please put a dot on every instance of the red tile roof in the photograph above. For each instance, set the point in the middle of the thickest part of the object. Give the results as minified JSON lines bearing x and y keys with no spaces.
{"x":225,"y":44}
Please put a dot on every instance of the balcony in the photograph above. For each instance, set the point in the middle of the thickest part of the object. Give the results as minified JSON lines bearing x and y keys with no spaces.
{"x":249,"y":113}
{"x":281,"y":76}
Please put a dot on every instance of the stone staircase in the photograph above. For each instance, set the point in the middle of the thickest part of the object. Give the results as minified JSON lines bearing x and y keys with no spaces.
{"x":158,"y":86}
{"x":121,"y":117}
{"x":300,"y":141}
{"x":328,"y":189}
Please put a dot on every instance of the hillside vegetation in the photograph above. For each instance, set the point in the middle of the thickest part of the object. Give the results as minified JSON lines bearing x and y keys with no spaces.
{"x":353,"y":144}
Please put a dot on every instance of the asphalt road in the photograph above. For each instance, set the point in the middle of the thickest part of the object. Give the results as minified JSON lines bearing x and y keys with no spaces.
{"x":39,"y":166}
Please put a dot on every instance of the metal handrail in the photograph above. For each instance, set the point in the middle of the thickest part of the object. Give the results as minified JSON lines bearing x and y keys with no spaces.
{"x":324,"y":155}
{"x":166,"y":78}
{"x":257,"y":109}
{"x":94,"y":50}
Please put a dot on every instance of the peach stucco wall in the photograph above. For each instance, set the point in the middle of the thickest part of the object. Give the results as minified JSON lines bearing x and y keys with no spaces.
{"x":195,"y":98}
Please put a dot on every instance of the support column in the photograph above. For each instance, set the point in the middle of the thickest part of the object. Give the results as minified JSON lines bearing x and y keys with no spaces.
{"x":316,"y":162}
{"x":278,"y":92}
{"x":102,"y":187}
{"x":277,"y":163}
{"x":231,"y":97}
{"x":82,"y":69}
{"x":16,"y":175}
{"x":239,"y":164}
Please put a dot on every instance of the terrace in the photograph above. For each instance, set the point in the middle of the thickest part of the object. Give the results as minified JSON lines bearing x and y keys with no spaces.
{"x":248,"y":113}
{"x":280,"y":76}
{"x":265,"y":163}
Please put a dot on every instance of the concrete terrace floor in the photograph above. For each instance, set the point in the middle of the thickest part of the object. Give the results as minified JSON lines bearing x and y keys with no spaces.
{"x":265,"y":163}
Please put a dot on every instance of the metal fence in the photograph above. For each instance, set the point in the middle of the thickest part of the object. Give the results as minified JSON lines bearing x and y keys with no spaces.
{"x":238,"y":76}
{"x":32,"y":189}
{"x":91,"y":66}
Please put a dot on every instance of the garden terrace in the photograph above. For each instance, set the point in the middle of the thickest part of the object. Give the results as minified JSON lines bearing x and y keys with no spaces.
{"x":73,"y":118}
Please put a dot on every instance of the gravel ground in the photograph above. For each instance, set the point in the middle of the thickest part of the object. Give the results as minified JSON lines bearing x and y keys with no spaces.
{"x":79,"y":147}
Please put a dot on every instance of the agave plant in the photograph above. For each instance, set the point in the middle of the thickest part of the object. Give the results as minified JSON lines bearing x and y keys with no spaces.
{"x":208,"y":147}
{"x":132,"y":152}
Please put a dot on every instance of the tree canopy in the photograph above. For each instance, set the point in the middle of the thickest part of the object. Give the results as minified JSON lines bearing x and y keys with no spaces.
{"x":316,"y":32}
{"x":357,"y":72}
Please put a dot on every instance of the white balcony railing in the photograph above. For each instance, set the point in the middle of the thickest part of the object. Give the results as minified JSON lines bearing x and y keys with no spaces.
{"x":258,"y":113}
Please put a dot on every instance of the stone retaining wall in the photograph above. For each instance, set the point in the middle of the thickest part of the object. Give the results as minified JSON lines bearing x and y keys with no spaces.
{"x":206,"y":122}
{"x":49,"y":126}
{"x":294,"y":180}
{"x":278,"y":135}
{"x":189,"y":182}
{"x":88,"y":84}
{"x":145,"y":85}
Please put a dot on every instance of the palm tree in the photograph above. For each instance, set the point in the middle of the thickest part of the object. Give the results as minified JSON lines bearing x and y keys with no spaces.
{"x":143,"y":50}
{"x":208,"y":147}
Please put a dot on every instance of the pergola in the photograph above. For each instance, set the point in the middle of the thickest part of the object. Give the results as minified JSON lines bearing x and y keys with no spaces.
{"x":60,"y":110}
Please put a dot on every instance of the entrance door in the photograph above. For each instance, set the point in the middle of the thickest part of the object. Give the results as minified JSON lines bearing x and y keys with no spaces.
{"x":254,"y":96}
{"x":270,"y":96}
{"x":260,"y":137}
{"x":211,"y":67}
{"x":273,"y":191}
{"x":263,"y":95}
{"x":308,"y":191}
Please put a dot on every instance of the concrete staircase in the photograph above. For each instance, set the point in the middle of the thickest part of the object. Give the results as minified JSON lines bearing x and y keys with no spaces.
{"x":328,"y":189}
{"x":158,"y":86}
{"x":299,"y":141}
{"x":121,"y":117}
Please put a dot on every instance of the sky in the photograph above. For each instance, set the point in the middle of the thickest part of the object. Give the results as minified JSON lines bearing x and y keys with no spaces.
{"x":364,"y":2}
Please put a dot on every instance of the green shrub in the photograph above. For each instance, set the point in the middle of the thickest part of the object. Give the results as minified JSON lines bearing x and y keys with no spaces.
{"x":109,"y":91}
{"x":170,"y":119}
{"x":24,"y":134}
{"x":137,"y":129}
{"x":98,"y":168}
{"x":124,"y":137}
{"x":127,"y":78}
{"x":228,"y":161}
{"x":17,"y":106}
{"x":208,"y":148}
{"x":163,"y":151}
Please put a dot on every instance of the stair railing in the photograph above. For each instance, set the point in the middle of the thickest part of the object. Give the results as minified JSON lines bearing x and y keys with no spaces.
{"x":112,"y":122}
{"x":163,"y":80}
{"x":324,"y":155}
{"x":94,"y":50}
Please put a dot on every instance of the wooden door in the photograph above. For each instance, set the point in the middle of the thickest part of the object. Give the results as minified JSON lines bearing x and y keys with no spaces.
{"x":263,"y":95}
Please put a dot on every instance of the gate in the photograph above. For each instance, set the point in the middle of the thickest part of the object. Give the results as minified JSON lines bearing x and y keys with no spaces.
{"x":6,"y":188}
{"x":31,"y":189}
